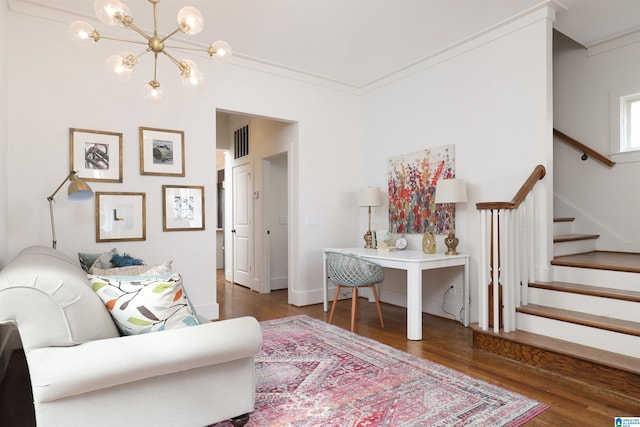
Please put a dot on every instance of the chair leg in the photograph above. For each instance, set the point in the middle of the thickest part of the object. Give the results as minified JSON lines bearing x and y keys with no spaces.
{"x":375,"y":294}
{"x":335,"y":300}
{"x":354,"y":307}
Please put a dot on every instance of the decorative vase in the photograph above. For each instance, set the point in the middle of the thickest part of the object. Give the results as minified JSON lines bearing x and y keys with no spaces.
{"x":451,"y":241}
{"x":428,"y":243}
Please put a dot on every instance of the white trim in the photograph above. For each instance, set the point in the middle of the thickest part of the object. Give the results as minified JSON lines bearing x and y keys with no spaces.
{"x":615,"y":43}
{"x":545,"y":10}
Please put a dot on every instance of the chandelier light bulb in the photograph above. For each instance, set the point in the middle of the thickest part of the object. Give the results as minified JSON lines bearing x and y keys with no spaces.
{"x":82,"y":33}
{"x":154,"y":91}
{"x":111,"y":12}
{"x":190,"y":20}
{"x":220,"y":51}
{"x":192,"y":77}
{"x":121,"y":65}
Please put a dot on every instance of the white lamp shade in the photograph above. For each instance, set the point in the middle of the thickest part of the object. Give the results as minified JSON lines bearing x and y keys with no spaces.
{"x":369,"y":196}
{"x":451,"y":191}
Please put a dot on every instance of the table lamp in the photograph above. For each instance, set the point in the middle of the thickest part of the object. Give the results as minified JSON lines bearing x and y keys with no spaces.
{"x":451,"y":191}
{"x":369,"y":196}
{"x":78,"y":191}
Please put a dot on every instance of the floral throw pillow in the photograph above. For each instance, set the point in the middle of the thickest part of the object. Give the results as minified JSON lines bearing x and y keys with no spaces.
{"x":145,"y":304}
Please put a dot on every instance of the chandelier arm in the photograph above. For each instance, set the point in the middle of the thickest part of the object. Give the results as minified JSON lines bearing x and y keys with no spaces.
{"x":174,"y":31}
{"x":155,"y":66}
{"x":155,"y":18}
{"x":174,"y":60}
{"x":130,"y":24}
{"x":195,"y":49}
{"x":121,"y":40}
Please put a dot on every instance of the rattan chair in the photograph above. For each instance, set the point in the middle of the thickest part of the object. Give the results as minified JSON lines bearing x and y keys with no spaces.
{"x":350,"y":271}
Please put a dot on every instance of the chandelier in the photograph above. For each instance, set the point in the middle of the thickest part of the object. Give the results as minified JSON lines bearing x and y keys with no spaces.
{"x":190,"y":21}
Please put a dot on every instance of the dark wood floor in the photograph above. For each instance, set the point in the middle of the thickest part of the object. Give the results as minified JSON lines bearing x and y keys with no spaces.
{"x":572,"y":403}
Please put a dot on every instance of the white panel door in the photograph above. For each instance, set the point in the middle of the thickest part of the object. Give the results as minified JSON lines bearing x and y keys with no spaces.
{"x":242,"y":230}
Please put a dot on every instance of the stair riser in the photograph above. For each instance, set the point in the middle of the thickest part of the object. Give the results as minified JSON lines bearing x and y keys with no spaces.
{"x":610,"y":341}
{"x":562,"y":228}
{"x":574,"y":247}
{"x":615,"y":309}
{"x":590,"y":276}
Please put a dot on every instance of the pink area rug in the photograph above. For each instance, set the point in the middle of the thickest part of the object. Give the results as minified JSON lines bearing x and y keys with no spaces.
{"x":310,"y":373}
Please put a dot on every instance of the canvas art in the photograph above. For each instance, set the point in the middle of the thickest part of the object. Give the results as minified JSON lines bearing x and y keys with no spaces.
{"x":412,"y":188}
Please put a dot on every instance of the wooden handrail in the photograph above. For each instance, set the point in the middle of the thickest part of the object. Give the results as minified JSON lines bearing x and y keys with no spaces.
{"x":538,"y":173}
{"x":587,"y":151}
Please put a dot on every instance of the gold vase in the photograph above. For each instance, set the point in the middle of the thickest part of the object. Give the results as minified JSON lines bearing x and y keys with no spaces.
{"x":428,"y":243}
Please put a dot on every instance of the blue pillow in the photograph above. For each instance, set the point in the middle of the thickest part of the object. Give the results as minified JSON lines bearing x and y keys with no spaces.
{"x":125,"y":260}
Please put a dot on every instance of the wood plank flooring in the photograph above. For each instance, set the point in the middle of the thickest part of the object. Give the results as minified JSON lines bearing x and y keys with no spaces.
{"x":572,"y":402}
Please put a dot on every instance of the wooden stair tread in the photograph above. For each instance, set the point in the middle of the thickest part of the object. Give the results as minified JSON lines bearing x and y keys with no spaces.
{"x":578,"y":351}
{"x":563,"y":219}
{"x":603,"y":260}
{"x":596,"y":291}
{"x":585,"y":319}
{"x":574,"y":237}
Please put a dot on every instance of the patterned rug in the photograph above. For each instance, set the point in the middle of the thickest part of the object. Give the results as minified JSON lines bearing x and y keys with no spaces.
{"x":310,"y":373}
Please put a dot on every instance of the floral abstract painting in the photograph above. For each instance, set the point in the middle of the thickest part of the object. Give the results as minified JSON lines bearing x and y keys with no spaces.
{"x":412,"y":188}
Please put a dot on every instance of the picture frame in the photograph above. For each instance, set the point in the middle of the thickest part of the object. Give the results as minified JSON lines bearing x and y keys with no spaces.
{"x":120,"y":217}
{"x":161,"y":152}
{"x":183,"y":207}
{"x":96,"y":154}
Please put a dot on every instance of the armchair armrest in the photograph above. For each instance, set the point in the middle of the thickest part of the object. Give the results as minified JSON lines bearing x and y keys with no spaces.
{"x":58,"y":372}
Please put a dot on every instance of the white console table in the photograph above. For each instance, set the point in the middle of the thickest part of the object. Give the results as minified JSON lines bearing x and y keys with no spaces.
{"x":414,"y":262}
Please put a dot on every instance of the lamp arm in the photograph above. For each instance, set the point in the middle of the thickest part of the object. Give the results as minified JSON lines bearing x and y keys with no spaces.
{"x":51,"y":200}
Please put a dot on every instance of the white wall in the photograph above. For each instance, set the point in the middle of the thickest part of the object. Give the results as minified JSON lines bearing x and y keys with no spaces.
{"x":604,"y":201}
{"x":52,"y":90}
{"x":3,"y":134}
{"x":491,"y":99}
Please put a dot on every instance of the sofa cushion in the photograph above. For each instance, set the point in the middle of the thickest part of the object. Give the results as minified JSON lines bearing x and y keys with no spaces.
{"x":134,"y":270}
{"x":145,"y":304}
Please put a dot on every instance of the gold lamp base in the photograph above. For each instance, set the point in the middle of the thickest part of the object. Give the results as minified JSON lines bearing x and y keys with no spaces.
{"x":451,"y":242}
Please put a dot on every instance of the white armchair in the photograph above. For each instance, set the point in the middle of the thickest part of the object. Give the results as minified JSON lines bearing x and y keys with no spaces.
{"x":84,"y":373}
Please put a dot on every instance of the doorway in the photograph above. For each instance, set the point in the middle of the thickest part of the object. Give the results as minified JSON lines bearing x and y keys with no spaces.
{"x":260,"y":194}
{"x":276,"y":214}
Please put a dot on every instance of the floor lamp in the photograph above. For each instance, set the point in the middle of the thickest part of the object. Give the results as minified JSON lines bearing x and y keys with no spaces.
{"x":78,"y":191}
{"x":451,"y":191}
{"x":368,"y":197}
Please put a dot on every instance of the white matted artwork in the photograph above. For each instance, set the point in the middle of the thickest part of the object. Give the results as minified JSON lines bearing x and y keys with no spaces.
{"x":161,"y":152}
{"x":96,"y":155}
{"x":120,"y":216}
{"x":183,"y":207}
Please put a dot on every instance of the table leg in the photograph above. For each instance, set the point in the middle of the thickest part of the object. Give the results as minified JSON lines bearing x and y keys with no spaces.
{"x":466,"y":297}
{"x":414,"y":303}
{"x":325,"y":285}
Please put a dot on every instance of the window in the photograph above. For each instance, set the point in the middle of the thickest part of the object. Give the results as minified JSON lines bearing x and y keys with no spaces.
{"x":625,"y":124}
{"x":630,"y":122}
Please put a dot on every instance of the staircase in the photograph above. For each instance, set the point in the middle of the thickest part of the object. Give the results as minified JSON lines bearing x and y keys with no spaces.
{"x":586,"y":324}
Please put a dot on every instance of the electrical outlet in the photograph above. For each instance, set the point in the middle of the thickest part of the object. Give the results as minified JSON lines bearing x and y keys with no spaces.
{"x":457,"y":289}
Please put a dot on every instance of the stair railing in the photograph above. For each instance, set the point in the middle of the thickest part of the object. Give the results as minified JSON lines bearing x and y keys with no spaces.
{"x":586,"y":151}
{"x":507,"y":239}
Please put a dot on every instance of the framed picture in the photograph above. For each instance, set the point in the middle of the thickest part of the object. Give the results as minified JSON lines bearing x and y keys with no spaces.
{"x":161,"y":152}
{"x":120,"y":217}
{"x":183,"y":208}
{"x":96,"y":155}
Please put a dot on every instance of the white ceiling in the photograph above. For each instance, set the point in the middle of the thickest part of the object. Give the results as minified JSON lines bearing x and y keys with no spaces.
{"x":356,"y":42}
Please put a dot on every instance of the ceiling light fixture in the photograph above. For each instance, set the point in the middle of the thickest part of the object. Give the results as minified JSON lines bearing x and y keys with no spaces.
{"x":190,"y":21}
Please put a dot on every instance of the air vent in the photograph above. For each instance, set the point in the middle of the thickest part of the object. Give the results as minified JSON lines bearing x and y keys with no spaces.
{"x":241,"y":142}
